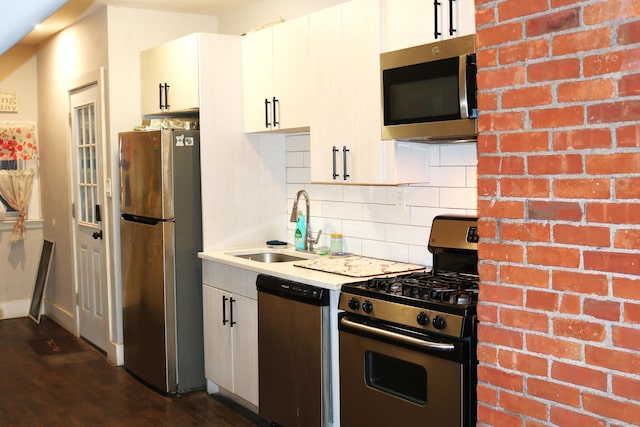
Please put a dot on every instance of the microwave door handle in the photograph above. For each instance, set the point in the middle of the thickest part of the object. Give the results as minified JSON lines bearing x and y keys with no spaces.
{"x":462,"y":87}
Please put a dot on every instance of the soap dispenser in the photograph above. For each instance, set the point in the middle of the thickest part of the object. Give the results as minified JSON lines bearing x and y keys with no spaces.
{"x":298,"y":237}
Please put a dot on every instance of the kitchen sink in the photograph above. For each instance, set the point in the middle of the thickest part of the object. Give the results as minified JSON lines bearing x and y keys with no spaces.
{"x":270,"y":257}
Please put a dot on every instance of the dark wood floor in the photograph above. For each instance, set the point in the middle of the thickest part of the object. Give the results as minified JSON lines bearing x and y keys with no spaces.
{"x":82,"y":388}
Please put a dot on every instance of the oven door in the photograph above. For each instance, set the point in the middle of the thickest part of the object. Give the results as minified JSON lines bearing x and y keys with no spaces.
{"x":389,"y":377}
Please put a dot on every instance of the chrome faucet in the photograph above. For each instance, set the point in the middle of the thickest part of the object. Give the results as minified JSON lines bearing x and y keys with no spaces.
{"x":309,"y":241}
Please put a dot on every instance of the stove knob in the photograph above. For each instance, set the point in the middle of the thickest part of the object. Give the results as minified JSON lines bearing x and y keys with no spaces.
{"x":367,"y":307}
{"x":439,"y":322}
{"x":422,"y":318}
{"x":354,"y":304}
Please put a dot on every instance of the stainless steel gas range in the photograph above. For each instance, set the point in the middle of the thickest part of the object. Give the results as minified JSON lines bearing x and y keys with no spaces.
{"x":408,"y":343}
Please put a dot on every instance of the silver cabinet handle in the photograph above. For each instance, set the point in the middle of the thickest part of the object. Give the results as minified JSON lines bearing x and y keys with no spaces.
{"x":436,"y":33}
{"x":396,"y":336}
{"x":224,"y":310}
{"x":275,"y":120}
{"x":451,"y":29}
{"x":166,"y":96}
{"x":266,"y":113}
{"x":345,"y":150}
{"x":231,"y":301}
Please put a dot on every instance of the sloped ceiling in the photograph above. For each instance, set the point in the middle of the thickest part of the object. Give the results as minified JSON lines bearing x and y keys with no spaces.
{"x":19,"y":18}
{"x":76,"y":9}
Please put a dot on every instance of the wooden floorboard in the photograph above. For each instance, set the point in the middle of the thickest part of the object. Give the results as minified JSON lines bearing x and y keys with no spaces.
{"x":83,"y":388}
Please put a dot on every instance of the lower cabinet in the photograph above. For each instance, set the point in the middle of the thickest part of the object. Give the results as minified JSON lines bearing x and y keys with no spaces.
{"x":231,"y":341}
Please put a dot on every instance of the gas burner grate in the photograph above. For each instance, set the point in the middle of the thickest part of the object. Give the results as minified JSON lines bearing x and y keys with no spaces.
{"x":444,"y":287}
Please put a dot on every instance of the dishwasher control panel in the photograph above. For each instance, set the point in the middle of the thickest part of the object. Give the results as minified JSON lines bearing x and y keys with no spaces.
{"x":293,"y":290}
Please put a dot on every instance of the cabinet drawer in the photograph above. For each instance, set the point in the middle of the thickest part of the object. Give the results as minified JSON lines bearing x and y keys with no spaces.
{"x":231,"y":279}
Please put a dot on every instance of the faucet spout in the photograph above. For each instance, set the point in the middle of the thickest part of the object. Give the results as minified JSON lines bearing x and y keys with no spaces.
{"x":308,"y":240}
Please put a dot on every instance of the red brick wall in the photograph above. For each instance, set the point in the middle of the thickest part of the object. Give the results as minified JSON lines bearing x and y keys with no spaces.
{"x":559,"y":202}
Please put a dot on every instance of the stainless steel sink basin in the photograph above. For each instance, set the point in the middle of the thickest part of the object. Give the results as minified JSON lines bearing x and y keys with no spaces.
{"x":270,"y":257}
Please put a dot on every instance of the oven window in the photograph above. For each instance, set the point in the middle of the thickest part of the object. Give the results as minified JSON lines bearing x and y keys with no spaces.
{"x":397,"y":377}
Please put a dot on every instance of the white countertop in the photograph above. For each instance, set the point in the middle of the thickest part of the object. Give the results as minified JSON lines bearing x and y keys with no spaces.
{"x":285,"y":270}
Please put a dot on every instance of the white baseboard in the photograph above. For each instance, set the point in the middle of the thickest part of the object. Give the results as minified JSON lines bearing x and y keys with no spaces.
{"x":115,"y":353}
{"x":61,"y":316}
{"x":15,"y":308}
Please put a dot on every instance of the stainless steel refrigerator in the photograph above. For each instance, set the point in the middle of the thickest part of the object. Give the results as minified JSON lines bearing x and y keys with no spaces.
{"x":160,"y":236}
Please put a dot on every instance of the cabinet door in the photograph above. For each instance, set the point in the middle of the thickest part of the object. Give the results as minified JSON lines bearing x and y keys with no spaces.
{"x":361,"y":27}
{"x":458,"y":16}
{"x":217,"y":337}
{"x":329,"y":82}
{"x":245,"y":348}
{"x":407,"y":23}
{"x":466,"y":17}
{"x":291,"y":73}
{"x":152,"y":74}
{"x":257,"y":80}
{"x":345,"y":104}
{"x":182,"y":73}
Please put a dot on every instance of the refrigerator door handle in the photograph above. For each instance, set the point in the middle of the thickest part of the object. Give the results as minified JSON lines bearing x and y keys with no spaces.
{"x":224,"y":310}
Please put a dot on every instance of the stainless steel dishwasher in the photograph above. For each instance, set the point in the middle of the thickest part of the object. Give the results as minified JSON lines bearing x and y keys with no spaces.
{"x":293,"y":353}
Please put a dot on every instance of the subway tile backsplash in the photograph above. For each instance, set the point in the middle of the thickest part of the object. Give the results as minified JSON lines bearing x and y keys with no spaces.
{"x":384,"y":221}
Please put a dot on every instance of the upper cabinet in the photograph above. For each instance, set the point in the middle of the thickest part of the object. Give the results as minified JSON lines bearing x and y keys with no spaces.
{"x":407,"y":23}
{"x":276,"y":77}
{"x":345,"y":114}
{"x":170,"y":76}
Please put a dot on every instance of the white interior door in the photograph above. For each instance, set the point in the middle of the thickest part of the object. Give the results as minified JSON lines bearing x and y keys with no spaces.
{"x":87,"y":195}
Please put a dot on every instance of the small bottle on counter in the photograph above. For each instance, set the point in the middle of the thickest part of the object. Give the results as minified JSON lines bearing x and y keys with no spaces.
{"x":336,"y":243}
{"x":298,"y":237}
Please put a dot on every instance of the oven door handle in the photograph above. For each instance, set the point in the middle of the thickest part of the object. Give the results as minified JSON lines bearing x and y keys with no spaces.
{"x":396,"y":336}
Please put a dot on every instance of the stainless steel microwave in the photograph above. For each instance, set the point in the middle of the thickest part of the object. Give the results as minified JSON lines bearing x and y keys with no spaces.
{"x":429,"y":92}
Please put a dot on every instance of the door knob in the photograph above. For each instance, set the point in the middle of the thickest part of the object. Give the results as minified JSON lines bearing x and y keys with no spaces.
{"x":97,"y":235}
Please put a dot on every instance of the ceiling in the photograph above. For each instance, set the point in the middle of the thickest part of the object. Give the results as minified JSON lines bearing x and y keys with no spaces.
{"x":76,"y":9}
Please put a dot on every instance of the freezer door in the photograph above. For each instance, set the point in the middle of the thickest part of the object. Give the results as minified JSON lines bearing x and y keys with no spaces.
{"x":146,"y":174}
{"x":148,"y":302}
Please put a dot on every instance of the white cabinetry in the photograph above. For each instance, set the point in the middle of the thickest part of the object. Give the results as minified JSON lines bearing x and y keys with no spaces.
{"x":345,"y":114}
{"x":407,"y":23}
{"x":171,"y":76}
{"x":230,"y":315}
{"x":275,"y":77}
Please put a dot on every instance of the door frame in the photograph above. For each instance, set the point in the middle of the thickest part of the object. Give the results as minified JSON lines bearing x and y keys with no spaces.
{"x":96,"y":77}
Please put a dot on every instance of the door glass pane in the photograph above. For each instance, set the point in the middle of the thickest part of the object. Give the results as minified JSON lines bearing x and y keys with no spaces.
{"x":397,"y":377}
{"x":86,"y":140}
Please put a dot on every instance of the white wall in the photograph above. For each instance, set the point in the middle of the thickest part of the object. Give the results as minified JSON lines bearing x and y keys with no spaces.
{"x":74,"y":52}
{"x":19,"y":260}
{"x":260,"y":13}
{"x":130,"y":32}
{"x":18,"y":71}
{"x":371,"y":219}
{"x":111,"y":39}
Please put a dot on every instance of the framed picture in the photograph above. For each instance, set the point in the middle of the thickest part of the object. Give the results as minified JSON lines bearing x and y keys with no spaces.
{"x":41,"y":280}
